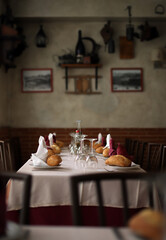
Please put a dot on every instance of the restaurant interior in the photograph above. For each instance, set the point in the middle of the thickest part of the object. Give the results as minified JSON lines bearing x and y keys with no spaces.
{"x":75,"y":74}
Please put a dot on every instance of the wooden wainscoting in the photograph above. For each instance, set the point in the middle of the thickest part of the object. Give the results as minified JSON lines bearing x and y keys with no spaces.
{"x":29,"y":136}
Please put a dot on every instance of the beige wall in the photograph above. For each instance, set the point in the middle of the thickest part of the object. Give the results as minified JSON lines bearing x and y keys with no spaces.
{"x":57,"y":109}
{"x":83,"y":8}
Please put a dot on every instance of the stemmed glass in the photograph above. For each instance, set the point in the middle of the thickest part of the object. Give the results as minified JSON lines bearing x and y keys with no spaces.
{"x":80,"y":159}
{"x":91,"y":160}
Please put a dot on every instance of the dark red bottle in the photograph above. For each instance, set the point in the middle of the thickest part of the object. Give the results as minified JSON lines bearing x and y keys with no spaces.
{"x":80,"y":49}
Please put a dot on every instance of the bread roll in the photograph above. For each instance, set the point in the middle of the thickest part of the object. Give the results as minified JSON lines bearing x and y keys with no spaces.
{"x":60,"y":143}
{"x":96,"y":145}
{"x":54,"y":160}
{"x":56,"y":148}
{"x":99,"y":149}
{"x":118,"y":160}
{"x":106,"y":152}
{"x":50,"y":152}
{"x":148,"y":223}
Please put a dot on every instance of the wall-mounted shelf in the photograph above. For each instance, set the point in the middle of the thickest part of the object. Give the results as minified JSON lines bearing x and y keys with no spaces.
{"x":94,"y":93}
{"x":77,"y":65}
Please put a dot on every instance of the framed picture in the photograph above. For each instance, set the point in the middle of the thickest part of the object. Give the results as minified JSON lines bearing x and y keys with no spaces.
{"x":126,"y":79}
{"x":36,"y":80}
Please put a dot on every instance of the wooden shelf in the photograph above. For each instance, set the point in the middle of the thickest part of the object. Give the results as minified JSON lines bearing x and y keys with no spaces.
{"x":81,"y":76}
{"x":81,"y":65}
{"x":78,"y":93}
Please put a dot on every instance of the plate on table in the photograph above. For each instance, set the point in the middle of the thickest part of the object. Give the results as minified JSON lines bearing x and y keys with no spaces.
{"x":44,"y":167}
{"x":117,"y":168}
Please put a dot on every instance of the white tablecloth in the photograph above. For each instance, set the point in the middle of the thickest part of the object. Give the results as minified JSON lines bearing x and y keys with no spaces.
{"x":51,"y":187}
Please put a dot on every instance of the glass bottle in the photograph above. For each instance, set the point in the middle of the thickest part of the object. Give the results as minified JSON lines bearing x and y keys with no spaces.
{"x":79,"y":126}
{"x":80,"y":49}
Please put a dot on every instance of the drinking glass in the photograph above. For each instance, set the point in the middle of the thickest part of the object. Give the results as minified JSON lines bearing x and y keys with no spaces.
{"x":80,"y":159}
{"x":91,"y":160}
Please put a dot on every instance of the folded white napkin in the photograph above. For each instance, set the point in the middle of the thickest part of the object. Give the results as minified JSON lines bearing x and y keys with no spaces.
{"x":51,"y":138}
{"x":39,"y":158}
{"x":99,"y":140}
{"x":107,"y":141}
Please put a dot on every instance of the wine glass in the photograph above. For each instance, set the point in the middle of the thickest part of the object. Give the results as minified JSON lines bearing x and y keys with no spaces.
{"x":91,"y":160}
{"x":80,"y":159}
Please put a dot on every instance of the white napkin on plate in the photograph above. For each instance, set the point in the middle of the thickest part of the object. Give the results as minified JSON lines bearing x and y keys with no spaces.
{"x":107,"y":141}
{"x":51,"y":138}
{"x":99,"y":140}
{"x":39,"y":158}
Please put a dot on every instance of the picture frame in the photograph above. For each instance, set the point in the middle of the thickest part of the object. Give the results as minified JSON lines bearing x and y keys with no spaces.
{"x":37,"y":80}
{"x":126,"y":79}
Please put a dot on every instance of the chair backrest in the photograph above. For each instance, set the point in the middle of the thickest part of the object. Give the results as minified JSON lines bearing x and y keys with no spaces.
{"x":136,"y":148}
{"x":97,"y":179}
{"x":5,"y":162}
{"x":128,"y":144}
{"x":10,"y":154}
{"x":26,"y":191}
{"x":154,"y":155}
{"x":163,"y":159}
{"x":140,"y":152}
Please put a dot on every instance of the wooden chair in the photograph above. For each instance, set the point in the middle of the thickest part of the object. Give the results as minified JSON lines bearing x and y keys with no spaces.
{"x":26,"y":178}
{"x":136,"y":148}
{"x":163,"y":159}
{"x":3,"y":162}
{"x":140,"y":152}
{"x":154,"y":154}
{"x":10,"y":154}
{"x":128,"y":144}
{"x":97,"y":179}
{"x":15,"y":146}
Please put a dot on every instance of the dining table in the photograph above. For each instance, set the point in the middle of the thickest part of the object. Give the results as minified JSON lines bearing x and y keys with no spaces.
{"x":50,"y":202}
{"x":15,"y":231}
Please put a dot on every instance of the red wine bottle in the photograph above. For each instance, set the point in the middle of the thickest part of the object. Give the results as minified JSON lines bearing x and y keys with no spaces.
{"x":80,"y":49}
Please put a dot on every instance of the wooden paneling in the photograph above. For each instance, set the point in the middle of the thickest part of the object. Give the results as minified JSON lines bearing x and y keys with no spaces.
{"x":29,"y":136}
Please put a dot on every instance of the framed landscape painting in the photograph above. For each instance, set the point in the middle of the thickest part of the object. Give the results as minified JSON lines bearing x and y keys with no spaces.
{"x":36,"y":80}
{"x":126,"y":79}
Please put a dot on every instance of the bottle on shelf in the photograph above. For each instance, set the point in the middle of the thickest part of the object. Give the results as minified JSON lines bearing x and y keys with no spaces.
{"x":80,"y":49}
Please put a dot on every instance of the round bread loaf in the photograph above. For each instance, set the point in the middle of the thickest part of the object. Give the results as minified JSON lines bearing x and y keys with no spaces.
{"x":96,"y":145}
{"x":50,"y":152}
{"x":148,"y":223}
{"x":118,"y":160}
{"x":54,"y":160}
{"x":60,"y":143}
{"x":99,"y":149}
{"x":56,"y":148}
{"x":106,"y":152}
